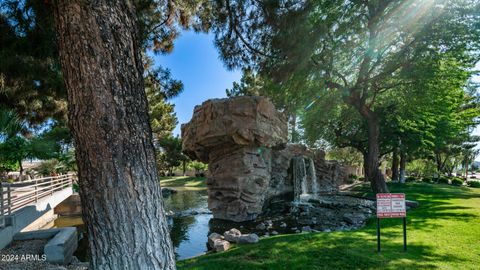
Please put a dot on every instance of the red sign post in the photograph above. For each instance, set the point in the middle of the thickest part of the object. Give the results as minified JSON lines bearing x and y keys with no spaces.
{"x":391,"y":205}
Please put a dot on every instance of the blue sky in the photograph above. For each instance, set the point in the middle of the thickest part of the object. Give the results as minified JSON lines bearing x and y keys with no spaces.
{"x":195,"y":61}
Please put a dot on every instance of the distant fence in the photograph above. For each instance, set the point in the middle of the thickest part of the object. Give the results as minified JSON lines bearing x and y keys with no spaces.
{"x":14,"y":196}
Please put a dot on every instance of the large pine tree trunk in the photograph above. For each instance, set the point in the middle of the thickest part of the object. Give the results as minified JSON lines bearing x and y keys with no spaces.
{"x":119,"y":187}
{"x":395,"y":164}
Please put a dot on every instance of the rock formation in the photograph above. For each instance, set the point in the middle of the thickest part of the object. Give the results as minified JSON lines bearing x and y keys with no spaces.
{"x":243,"y":139}
{"x":235,"y":137}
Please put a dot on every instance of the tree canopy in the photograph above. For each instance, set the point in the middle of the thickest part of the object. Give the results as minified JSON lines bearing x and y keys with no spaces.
{"x":349,"y":59}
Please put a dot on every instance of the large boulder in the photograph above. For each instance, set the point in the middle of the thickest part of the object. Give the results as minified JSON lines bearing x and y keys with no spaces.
{"x":250,"y":238}
{"x":232,"y":235}
{"x":221,"y":245}
{"x":233,"y":123}
{"x":212,"y":238}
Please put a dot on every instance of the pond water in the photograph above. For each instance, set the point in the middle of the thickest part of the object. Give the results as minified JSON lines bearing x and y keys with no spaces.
{"x":188,"y":232}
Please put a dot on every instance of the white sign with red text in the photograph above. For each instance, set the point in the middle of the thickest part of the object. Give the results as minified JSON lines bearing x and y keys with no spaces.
{"x":391,"y":205}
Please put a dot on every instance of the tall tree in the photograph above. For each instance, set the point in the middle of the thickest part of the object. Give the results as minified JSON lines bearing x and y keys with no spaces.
{"x":159,"y":87}
{"x":170,"y":155}
{"x":18,"y":148}
{"x":100,"y":51}
{"x":28,"y":42}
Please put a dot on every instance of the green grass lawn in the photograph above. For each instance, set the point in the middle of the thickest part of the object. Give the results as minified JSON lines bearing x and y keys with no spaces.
{"x":183,"y":182}
{"x":443,"y":233}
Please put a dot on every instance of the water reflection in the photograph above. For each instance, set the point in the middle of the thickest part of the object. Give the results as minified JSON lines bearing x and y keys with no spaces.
{"x":191,"y":239}
{"x":186,"y":200}
{"x":188,"y":233}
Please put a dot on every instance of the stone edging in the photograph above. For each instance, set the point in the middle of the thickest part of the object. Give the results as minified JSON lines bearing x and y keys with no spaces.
{"x":60,"y":248}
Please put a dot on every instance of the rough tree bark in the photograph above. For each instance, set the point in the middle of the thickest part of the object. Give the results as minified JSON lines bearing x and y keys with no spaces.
{"x":184,"y":163}
{"x":466,"y":168}
{"x":395,"y":164}
{"x":20,"y":168}
{"x":372,"y":171}
{"x":372,"y":156}
{"x":119,"y":186}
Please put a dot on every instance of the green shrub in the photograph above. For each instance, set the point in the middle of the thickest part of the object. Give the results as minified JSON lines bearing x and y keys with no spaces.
{"x":410,"y":179}
{"x":47,"y":167}
{"x":457,"y":181}
{"x":443,"y":180}
{"x":459,"y":178}
{"x":361,"y":179}
{"x":427,"y":180}
{"x":475,"y":184}
{"x":8,"y":166}
{"x":75,"y":187}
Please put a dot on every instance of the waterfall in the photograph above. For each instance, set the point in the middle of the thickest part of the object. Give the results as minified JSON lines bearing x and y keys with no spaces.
{"x":304,"y":179}
{"x":305,"y":183}
{"x":299,"y":177}
{"x":313,"y":178}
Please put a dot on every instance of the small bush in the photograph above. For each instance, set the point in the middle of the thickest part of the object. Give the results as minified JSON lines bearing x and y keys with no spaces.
{"x":475,"y":184}
{"x":410,"y":179}
{"x":459,"y":178}
{"x":75,"y":187}
{"x":457,"y":181}
{"x":443,"y":180}
{"x":10,"y":179}
{"x":427,"y":180}
{"x":362,"y":179}
{"x":47,"y":167}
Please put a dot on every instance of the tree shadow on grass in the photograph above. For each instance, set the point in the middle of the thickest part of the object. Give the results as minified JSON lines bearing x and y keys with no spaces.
{"x":429,"y":222}
{"x":435,"y":204}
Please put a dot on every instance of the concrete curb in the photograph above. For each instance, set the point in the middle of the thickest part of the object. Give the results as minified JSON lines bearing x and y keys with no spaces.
{"x":60,"y":248}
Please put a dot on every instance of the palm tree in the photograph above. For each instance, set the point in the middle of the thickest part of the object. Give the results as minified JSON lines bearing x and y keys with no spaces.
{"x":10,"y":124}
